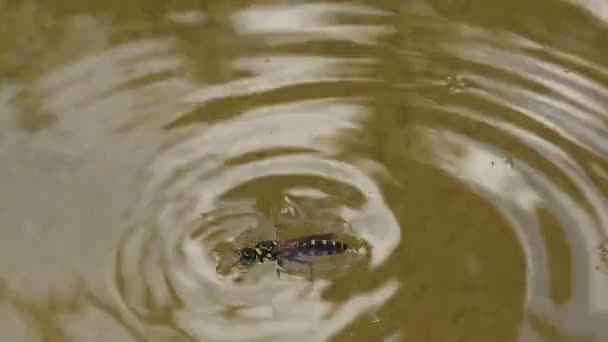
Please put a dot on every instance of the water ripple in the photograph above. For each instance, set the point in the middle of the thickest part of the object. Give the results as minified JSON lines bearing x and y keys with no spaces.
{"x":466,"y":152}
{"x":558,"y":213}
{"x":194,"y":176}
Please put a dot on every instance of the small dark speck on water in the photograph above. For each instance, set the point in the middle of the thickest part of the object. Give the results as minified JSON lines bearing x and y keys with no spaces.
{"x":603,"y":255}
{"x":455,"y":84}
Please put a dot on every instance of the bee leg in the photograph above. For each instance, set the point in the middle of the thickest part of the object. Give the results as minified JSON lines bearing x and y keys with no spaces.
{"x":279,"y":266}
{"x":311,"y":271}
{"x":277,"y":233}
{"x":275,"y":224}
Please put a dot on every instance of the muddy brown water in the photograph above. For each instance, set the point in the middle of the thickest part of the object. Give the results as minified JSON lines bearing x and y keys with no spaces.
{"x":465,"y":142}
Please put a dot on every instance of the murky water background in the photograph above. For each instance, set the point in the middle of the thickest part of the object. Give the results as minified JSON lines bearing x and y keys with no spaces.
{"x":466,"y":142}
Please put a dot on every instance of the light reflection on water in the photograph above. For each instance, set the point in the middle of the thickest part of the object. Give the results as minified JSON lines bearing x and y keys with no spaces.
{"x":270,"y":308}
{"x":137,"y":145}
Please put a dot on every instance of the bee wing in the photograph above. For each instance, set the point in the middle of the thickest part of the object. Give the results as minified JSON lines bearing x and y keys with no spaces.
{"x":294,"y":242}
{"x":323,"y":266}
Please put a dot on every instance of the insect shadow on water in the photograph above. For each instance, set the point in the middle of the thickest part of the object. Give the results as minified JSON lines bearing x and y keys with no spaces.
{"x":296,"y":250}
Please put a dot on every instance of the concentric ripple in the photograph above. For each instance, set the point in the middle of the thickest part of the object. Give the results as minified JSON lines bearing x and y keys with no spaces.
{"x":208,"y":186}
{"x":194,"y":176}
{"x":463,"y":143}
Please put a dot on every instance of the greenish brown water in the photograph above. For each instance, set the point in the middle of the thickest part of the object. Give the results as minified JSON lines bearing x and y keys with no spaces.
{"x":466,"y":142}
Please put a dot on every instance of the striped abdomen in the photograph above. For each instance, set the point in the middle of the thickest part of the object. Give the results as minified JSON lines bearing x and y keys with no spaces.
{"x":317,"y":247}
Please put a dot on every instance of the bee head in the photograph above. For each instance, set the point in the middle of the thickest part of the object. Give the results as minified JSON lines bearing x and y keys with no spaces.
{"x":248,"y":256}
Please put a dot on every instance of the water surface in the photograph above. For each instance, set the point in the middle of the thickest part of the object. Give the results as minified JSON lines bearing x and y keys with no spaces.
{"x":465,"y":142}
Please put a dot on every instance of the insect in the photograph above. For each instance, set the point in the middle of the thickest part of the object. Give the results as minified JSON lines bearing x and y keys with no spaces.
{"x":294,"y":250}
